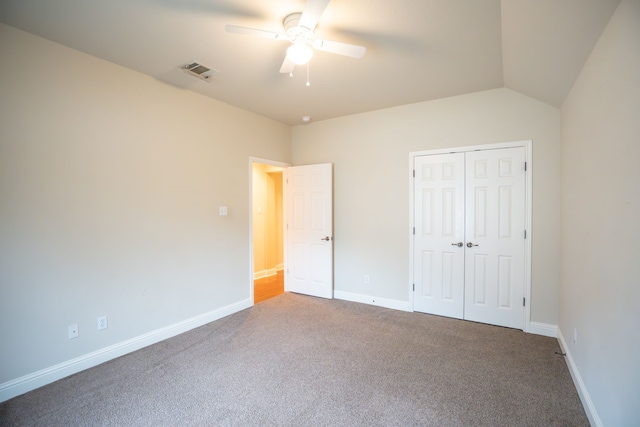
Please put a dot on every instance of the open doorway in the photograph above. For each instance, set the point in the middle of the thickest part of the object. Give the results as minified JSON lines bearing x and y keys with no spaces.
{"x":267,"y":225}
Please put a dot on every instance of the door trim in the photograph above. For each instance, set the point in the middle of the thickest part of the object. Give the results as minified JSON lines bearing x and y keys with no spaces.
{"x":527,"y":144}
{"x":253,"y":160}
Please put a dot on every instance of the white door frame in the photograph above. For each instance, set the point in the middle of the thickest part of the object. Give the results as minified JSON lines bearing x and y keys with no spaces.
{"x":527,"y":144}
{"x":253,"y":160}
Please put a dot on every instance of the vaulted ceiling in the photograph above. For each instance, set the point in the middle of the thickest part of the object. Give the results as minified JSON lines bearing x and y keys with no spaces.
{"x":417,"y":50}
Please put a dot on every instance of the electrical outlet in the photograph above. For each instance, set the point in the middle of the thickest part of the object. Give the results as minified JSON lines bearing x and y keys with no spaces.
{"x":102,"y":323}
{"x":73,"y":331}
{"x":366,"y":279}
{"x":575,"y":336}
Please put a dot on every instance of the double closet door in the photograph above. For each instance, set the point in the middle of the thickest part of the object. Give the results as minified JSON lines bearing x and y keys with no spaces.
{"x":469,"y":239}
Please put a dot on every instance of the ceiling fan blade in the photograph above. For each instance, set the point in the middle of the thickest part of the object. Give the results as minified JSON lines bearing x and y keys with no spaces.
{"x":312,"y":12}
{"x":255,"y":32}
{"x":340,"y":48}
{"x":287,"y":66}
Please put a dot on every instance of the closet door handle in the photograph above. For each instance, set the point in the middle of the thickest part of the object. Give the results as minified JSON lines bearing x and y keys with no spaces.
{"x":459,"y":244}
{"x":470,"y":245}
{"x":326,"y":239}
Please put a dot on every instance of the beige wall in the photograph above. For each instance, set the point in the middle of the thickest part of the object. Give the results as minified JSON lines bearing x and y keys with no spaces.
{"x":275,"y":256}
{"x":259,"y":197}
{"x":110,"y":183}
{"x":600,"y":279}
{"x":267,"y":209}
{"x":371,"y":183}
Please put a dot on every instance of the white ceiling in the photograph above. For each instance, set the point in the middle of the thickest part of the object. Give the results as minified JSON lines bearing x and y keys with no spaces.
{"x":417,"y":50}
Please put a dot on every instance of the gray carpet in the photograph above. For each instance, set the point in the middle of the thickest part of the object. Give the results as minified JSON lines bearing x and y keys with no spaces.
{"x":303,"y":361}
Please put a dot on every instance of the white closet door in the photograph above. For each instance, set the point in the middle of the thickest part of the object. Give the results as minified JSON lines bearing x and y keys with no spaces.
{"x":494,"y":230}
{"x":439,"y":234}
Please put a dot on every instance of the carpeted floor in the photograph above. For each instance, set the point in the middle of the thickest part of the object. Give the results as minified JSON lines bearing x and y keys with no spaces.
{"x":302,"y":361}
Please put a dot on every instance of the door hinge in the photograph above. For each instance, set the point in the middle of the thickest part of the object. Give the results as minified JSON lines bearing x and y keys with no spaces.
{"x":414,"y":231}
{"x":414,"y":287}
{"x":525,"y":234}
{"x":414,"y":173}
{"x":525,"y":166}
{"x":523,"y":301}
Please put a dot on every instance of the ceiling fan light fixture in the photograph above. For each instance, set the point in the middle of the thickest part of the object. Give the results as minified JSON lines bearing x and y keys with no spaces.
{"x":299,"y":53}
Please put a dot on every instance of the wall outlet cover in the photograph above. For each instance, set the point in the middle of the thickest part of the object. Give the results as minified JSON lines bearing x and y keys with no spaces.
{"x":102,"y":323}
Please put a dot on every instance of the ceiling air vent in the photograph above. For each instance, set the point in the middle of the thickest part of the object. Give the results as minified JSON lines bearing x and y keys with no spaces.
{"x":200,"y":71}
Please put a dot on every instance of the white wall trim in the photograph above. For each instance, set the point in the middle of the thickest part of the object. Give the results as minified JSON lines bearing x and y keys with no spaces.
{"x":527,"y":243}
{"x":545,"y":329}
{"x":587,"y":403}
{"x":267,"y":273}
{"x":46,"y":376}
{"x":368,"y":299}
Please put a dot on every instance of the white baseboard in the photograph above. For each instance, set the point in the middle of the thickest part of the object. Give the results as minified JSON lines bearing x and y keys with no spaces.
{"x":268,"y":272}
{"x":46,"y":376}
{"x":587,"y":403}
{"x":367,"y":299}
{"x":545,"y":329}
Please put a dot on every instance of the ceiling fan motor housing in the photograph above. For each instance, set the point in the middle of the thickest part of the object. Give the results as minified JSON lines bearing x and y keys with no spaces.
{"x":291,"y":20}
{"x":294,"y":31}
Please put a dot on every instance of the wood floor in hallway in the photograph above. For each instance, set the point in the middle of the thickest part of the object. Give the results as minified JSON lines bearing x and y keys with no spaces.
{"x":268,"y":287}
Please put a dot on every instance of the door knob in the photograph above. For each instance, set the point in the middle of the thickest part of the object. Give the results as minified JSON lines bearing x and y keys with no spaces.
{"x":459,"y":244}
{"x":326,"y":239}
{"x":470,"y":245}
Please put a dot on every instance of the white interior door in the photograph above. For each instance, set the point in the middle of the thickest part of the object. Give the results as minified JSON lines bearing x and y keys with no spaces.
{"x":439,"y":234}
{"x":495,"y":245}
{"x":477,"y":199}
{"x":309,"y":230}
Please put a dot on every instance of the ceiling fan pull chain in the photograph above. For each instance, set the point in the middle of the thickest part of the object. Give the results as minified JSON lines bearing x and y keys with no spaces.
{"x":308,"y":83}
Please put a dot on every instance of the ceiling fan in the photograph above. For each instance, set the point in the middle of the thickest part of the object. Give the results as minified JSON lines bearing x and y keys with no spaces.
{"x":298,"y":30}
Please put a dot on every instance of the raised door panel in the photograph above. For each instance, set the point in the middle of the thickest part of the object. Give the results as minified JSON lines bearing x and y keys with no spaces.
{"x":495,"y":223}
{"x":439,"y":213}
